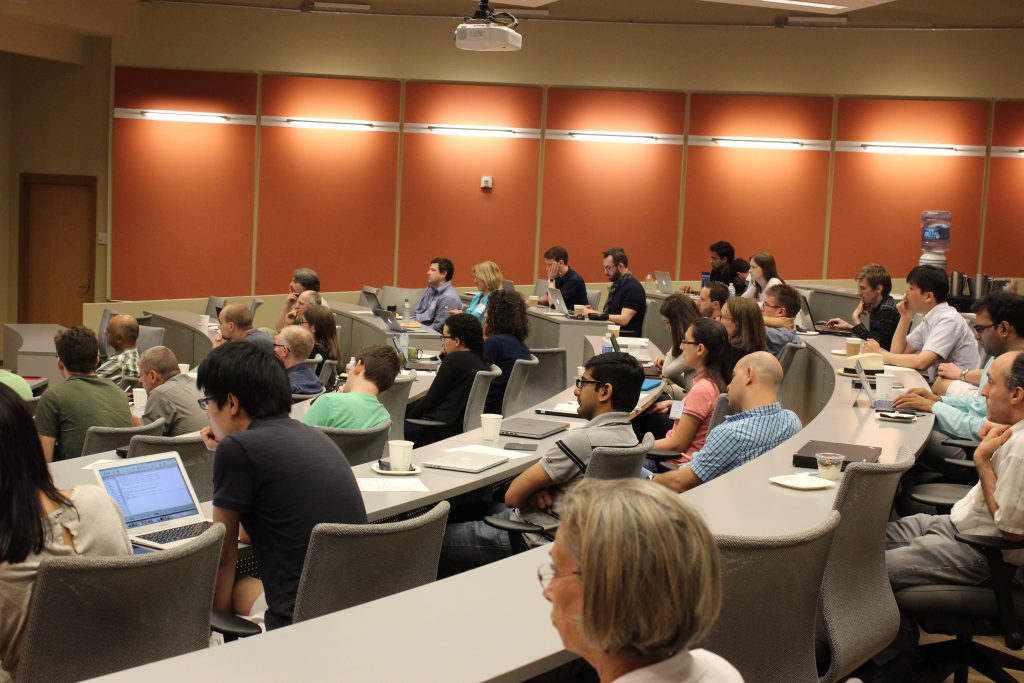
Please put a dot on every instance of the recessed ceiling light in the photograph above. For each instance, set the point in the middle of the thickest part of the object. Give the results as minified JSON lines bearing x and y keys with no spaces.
{"x":806,"y":3}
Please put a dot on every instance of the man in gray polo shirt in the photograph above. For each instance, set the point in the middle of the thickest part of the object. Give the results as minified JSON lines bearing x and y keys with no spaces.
{"x":169,"y":394}
{"x":607,"y":392}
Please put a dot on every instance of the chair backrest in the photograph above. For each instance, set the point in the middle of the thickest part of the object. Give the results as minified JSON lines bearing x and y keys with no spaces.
{"x":299,"y":398}
{"x":106,"y":350}
{"x":32,"y":404}
{"x":770,"y":588}
{"x":477,"y":397}
{"x":328,"y":372}
{"x":195,"y":456}
{"x":654,"y":328}
{"x":594,"y":298}
{"x":113,"y":613}
{"x":311,"y":363}
{"x":545,"y":380}
{"x":148,"y":338}
{"x":360,"y":445}
{"x":722,"y":409}
{"x":99,"y":439}
{"x":128,"y":383}
{"x":788,"y":354}
{"x":396,"y":296}
{"x":254,"y":306}
{"x":395,"y":399}
{"x":521,"y":371}
{"x":858,"y":612}
{"x":616,"y":462}
{"x":213,"y":303}
{"x":349,"y":564}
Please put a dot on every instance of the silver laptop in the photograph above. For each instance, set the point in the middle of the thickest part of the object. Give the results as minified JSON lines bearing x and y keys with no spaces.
{"x":529,"y":428}
{"x":389,"y":319}
{"x":557,"y":302}
{"x":368,"y":297}
{"x":664,"y":281}
{"x":875,"y":402}
{"x":159,"y":504}
{"x":465,"y":462}
{"x":540,"y":288}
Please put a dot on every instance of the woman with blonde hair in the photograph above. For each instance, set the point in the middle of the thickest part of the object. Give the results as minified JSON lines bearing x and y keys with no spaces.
{"x":744,"y":322}
{"x":763,"y":274}
{"x":634,"y":580}
{"x":487,"y":278}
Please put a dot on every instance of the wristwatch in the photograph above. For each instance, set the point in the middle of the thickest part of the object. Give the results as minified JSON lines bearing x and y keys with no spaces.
{"x":963,"y":375}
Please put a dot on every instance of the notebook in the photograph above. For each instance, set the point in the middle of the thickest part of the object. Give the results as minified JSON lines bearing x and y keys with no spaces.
{"x":528,"y":428}
{"x":158,"y":502}
{"x":664,"y":281}
{"x":465,"y":462}
{"x":851,"y":452}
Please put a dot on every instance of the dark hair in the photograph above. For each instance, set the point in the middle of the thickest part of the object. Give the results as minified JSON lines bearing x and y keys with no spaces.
{"x":618,"y":256}
{"x":768,"y":268}
{"x":254,"y":376}
{"x":557,"y":253}
{"x":307,"y":278}
{"x":713,"y":335}
{"x":681,"y":312}
{"x":750,"y":330}
{"x":1015,"y":377}
{"x":506,"y":314}
{"x":445,"y":266}
{"x":741,"y":265}
{"x":467,"y":330}
{"x":623,"y":372}
{"x":719,"y":292}
{"x":876,"y":275}
{"x":129,"y":329}
{"x":77,"y":348}
{"x":724,"y":250}
{"x":325,"y":329}
{"x":382,"y":365}
{"x":787,"y":297}
{"x":23,"y":475}
{"x":930,"y":279}
{"x":1003,"y":307}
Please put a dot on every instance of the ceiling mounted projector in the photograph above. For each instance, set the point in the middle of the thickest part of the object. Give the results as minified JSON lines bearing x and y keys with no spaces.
{"x":488,"y":31}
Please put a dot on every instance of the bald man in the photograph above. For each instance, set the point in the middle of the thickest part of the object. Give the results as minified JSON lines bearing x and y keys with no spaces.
{"x":758,"y":425}
{"x":122,"y":332}
{"x":292,"y":346}
{"x":236,"y":325}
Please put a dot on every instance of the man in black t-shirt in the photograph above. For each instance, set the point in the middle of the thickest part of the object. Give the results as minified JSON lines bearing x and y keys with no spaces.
{"x":627,"y":301}
{"x":274,"y":476}
{"x":563,"y":278}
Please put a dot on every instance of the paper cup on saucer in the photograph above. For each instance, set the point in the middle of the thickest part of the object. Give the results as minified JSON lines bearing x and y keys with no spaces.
{"x":400,"y":455}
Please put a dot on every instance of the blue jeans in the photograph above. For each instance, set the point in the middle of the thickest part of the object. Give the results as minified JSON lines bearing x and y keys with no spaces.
{"x":468,"y":545}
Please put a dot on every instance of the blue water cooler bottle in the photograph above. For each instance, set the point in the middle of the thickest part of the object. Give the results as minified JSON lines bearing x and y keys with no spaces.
{"x":935,"y":235}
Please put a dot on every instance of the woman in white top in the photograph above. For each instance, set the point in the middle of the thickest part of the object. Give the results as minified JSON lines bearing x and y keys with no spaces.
{"x":37,"y":521}
{"x":763,"y":274}
{"x":634,"y":579}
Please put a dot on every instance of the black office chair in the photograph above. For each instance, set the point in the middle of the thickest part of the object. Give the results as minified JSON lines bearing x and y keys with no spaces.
{"x":943,"y":495}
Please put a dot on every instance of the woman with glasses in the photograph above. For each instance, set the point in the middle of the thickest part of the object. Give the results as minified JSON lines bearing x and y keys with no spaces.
{"x":744,"y":323}
{"x":634,"y":580}
{"x":38,"y":520}
{"x":678,"y":312}
{"x":319,"y":320}
{"x":763,"y":274}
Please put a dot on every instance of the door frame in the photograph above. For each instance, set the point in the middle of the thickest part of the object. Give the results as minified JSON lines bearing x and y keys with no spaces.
{"x":25,"y":181}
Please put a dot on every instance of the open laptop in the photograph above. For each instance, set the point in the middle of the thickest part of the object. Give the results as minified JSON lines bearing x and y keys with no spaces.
{"x":819,"y":325}
{"x":540,"y":288}
{"x":389,"y":319}
{"x":557,"y":302}
{"x":465,"y":462}
{"x":528,"y":428}
{"x":368,"y":297}
{"x":159,"y":504}
{"x":865,"y":384}
{"x":664,"y":281}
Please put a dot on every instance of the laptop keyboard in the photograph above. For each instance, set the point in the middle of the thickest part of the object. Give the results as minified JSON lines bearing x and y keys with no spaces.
{"x":178,"y":533}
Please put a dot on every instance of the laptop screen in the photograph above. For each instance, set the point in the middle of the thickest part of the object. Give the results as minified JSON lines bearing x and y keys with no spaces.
{"x":149,"y":492}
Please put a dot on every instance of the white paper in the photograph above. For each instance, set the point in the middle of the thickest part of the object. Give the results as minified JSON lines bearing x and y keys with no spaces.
{"x":93,"y":465}
{"x":676,"y":411}
{"x":483,"y":450}
{"x":569,"y":407}
{"x":403,"y":484}
{"x":633,"y":341}
{"x":360,"y":312}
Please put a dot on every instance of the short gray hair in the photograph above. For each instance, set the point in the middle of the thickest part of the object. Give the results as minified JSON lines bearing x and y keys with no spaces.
{"x":161,"y":359}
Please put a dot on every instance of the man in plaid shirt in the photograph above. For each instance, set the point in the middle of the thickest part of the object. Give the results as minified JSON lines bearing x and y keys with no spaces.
{"x":873,"y":287}
{"x":122,"y":333}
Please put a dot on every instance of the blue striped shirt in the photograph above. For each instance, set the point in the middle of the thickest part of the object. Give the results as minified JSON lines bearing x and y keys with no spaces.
{"x":743,"y":437}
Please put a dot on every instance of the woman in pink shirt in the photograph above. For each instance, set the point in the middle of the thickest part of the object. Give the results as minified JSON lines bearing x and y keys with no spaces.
{"x":705,"y":349}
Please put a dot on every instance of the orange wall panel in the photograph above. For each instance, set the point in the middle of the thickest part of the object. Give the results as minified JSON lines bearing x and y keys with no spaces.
{"x":330,"y":98}
{"x":446,"y":213}
{"x":1004,"y":222}
{"x":604,"y":194}
{"x":1008,"y":128}
{"x":877,"y":204}
{"x":327,"y":202}
{"x":473,"y":105}
{"x":170,"y":89}
{"x":761,"y":116}
{"x":961,"y":122}
{"x":759,"y":200}
{"x":616,"y":110}
{"x":182,"y":209}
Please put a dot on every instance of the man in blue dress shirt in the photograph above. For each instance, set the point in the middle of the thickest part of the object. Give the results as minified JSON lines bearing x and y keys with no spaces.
{"x":439,"y":298}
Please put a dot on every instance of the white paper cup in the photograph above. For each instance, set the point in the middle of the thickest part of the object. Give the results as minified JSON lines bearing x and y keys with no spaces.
{"x":830,"y":465}
{"x":183,"y":368}
{"x":613,"y":330}
{"x":532,"y":301}
{"x":852,"y":347}
{"x":580,"y":370}
{"x":490,"y":425}
{"x":400,"y":455}
{"x":139,"y":397}
{"x":577,"y":310}
{"x":204,"y":321}
{"x":883,"y":386}
{"x":137,"y":411}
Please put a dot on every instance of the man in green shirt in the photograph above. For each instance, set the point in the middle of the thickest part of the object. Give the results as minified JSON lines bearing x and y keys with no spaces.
{"x":83,"y":400}
{"x":355,"y":405}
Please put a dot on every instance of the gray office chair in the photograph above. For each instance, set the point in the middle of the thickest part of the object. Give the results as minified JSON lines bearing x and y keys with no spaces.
{"x":213,"y":303}
{"x":858,"y":614}
{"x":653,"y":327}
{"x":594,"y":298}
{"x":299,"y":398}
{"x":107,"y":614}
{"x":395,"y":399}
{"x":100,"y":439}
{"x":195,"y":456}
{"x":721,"y":411}
{"x":474,"y":404}
{"x":32,"y":404}
{"x":254,"y":306}
{"x":311,"y":363}
{"x":328,"y":373}
{"x":513,"y":400}
{"x":793,"y":392}
{"x":545,"y":380}
{"x":349,"y":564}
{"x":106,"y":350}
{"x":770,"y":588}
{"x":148,"y":338}
{"x":788,"y":355}
{"x":360,"y":445}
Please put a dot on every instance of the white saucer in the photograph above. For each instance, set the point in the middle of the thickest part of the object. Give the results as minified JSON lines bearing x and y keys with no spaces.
{"x":808,"y":333}
{"x":803,"y":482}
{"x":392,"y":473}
{"x":838,"y":352}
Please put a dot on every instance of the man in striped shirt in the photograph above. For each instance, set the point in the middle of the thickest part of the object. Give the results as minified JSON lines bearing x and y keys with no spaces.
{"x":122,"y":332}
{"x":759,"y":425}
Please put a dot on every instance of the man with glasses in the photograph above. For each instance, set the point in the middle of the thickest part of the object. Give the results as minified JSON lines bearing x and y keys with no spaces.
{"x":607,"y":392}
{"x":306,"y":299}
{"x":780,"y":308}
{"x":627,"y":301}
{"x":273,"y":475}
{"x":292,"y":346}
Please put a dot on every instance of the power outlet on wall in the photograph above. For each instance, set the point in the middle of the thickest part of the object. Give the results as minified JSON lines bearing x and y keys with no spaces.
{"x":487,"y":182}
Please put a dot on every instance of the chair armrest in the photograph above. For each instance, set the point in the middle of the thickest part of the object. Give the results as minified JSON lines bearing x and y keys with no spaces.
{"x":964,"y":463}
{"x":516,"y":527}
{"x":425,"y":423}
{"x":1002,"y":575}
{"x":662,"y":454}
{"x":232,"y":626}
{"x":966,"y":444}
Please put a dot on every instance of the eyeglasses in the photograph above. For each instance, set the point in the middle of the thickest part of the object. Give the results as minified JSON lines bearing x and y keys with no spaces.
{"x":546,"y":573}
{"x":204,"y":402}
{"x":282,"y":346}
{"x":981,"y":328}
{"x":765,"y":304}
{"x":445,"y":336}
{"x":301,"y":321}
{"x":609,"y":269}
{"x":689,"y":343}
{"x":580,"y":382}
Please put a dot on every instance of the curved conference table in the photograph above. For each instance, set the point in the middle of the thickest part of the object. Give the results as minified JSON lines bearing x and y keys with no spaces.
{"x":493,"y":623}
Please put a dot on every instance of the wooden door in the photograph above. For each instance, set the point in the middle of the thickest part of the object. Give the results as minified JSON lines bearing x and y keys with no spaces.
{"x":57,"y":253}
